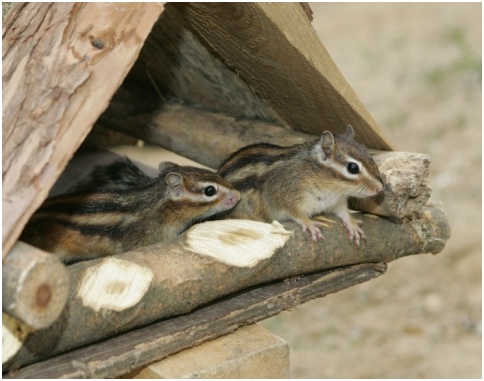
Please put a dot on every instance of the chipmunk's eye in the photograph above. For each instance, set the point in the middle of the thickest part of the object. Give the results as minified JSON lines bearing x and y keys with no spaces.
{"x":210,"y":191}
{"x":353,"y":168}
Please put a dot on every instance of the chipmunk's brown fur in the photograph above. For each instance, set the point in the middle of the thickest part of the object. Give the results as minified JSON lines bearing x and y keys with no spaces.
{"x":92,"y":224}
{"x":298,"y":182}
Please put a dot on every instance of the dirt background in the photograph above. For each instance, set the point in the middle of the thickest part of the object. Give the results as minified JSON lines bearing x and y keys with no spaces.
{"x":417,"y":68}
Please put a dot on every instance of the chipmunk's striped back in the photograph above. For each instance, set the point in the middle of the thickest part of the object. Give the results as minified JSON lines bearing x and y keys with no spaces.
{"x":118,"y":175}
{"x":104,"y":222}
{"x":247,"y":167}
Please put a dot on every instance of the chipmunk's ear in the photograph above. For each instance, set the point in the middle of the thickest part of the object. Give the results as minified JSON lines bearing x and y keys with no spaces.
{"x":327,"y":144}
{"x":350,"y":133}
{"x":175,"y":183}
{"x":166,"y":166}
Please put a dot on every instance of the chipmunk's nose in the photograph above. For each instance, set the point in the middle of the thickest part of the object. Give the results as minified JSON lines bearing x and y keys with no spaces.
{"x":232,"y":198}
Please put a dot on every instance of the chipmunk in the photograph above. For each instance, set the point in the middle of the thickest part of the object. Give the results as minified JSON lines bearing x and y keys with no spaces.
{"x":92,"y":224}
{"x":121,"y":174}
{"x":298,"y":182}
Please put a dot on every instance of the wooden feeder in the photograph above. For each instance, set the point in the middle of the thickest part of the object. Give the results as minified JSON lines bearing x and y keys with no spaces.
{"x":202,"y":80}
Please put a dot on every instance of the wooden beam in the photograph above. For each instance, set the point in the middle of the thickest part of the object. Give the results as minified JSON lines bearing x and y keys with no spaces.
{"x":213,"y":259}
{"x":62,"y":62}
{"x":125,"y":353}
{"x":274,"y":48}
{"x":194,"y":133}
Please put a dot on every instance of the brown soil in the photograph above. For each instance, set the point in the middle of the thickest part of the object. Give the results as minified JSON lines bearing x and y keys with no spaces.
{"x":417,"y":68}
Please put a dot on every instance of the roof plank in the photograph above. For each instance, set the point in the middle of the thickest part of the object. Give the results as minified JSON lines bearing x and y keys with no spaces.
{"x":274,"y":48}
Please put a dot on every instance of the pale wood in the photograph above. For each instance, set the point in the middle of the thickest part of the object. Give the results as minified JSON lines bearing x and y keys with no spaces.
{"x":209,"y":138}
{"x":407,"y":187}
{"x":273,"y":47}
{"x":35,"y":286}
{"x":62,"y":62}
{"x":174,"y":277}
{"x":123,"y":354}
{"x":251,"y":352}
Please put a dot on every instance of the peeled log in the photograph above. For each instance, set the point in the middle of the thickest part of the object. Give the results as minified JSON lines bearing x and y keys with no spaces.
{"x":112,"y":295}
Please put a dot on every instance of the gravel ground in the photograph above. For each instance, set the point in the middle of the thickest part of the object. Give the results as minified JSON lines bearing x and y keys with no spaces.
{"x":417,"y":68}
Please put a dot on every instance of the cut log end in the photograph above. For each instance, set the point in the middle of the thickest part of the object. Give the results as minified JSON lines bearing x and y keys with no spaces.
{"x":35,"y":286}
{"x":434,"y":236}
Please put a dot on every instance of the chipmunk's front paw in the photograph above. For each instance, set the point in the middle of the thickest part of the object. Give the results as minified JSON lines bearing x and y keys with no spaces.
{"x":354,"y":229}
{"x":313,"y":228}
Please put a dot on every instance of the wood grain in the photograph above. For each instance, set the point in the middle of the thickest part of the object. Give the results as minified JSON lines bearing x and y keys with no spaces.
{"x":274,"y":48}
{"x":62,"y":62}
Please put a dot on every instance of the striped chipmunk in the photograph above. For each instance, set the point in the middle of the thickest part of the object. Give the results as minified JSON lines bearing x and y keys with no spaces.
{"x":298,"y":182}
{"x":119,"y":208}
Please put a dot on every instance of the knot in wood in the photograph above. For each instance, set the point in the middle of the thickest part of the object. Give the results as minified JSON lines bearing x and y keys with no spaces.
{"x":97,"y":43}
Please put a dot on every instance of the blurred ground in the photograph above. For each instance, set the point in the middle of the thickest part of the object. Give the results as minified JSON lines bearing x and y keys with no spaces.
{"x":417,"y":68}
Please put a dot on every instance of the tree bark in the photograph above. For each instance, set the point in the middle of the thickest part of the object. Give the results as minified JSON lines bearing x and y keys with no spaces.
{"x":213,"y":259}
{"x":62,"y":62}
{"x":120,"y":355}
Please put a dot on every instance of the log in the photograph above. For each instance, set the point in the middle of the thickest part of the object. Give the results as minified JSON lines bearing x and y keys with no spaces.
{"x":407,"y":187}
{"x":273,"y":47}
{"x":192,"y":132}
{"x":35,"y":286}
{"x":117,"y":356}
{"x":213,"y":259}
{"x":62,"y":62}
